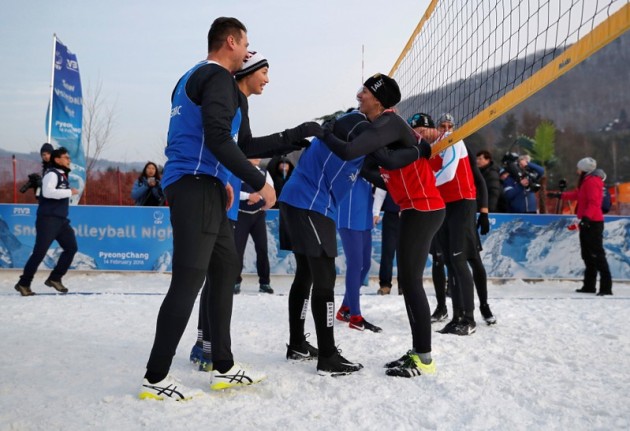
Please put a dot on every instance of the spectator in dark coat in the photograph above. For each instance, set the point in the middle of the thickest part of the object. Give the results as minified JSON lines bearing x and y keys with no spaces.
{"x":490,"y":173}
{"x":280,"y":168}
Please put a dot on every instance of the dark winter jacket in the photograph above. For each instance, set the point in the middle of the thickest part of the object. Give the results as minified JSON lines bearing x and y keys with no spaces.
{"x":490,"y":174}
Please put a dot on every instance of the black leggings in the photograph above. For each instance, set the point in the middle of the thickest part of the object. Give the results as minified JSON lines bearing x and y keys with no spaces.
{"x":322,"y":304}
{"x":417,"y":229}
{"x":203,"y":248}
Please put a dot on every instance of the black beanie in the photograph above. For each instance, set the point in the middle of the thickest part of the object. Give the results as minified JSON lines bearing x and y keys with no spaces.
{"x":384,"y":88}
{"x":46,"y":148}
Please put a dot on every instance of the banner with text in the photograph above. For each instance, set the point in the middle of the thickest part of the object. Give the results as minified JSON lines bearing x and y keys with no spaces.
{"x":141,"y":239}
{"x":67,"y":113}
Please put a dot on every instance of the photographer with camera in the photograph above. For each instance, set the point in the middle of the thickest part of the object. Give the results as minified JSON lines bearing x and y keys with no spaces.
{"x":521,"y":181}
{"x":52,"y":224}
{"x":147,"y":189}
{"x":35,"y":180}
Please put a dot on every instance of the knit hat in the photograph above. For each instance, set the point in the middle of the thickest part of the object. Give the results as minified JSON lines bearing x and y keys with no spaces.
{"x":446,"y":118}
{"x":46,"y":148}
{"x":587,"y":164}
{"x":253,"y":62}
{"x":384,"y":88}
{"x":421,"y":120}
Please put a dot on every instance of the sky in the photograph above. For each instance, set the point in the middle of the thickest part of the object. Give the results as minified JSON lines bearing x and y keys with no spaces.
{"x":555,"y":360}
{"x":319,"y":52}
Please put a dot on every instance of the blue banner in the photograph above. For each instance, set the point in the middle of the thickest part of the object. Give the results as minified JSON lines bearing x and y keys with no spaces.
{"x":141,"y":239}
{"x":67,"y":113}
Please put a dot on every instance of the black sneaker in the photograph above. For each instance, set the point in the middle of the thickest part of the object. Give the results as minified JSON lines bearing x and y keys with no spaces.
{"x":585,"y":290}
{"x":487,"y":314}
{"x":450,"y":325}
{"x":440,"y":313}
{"x":304,"y":352}
{"x":412,"y":366}
{"x":265,"y":288}
{"x":398,"y":362}
{"x":24,"y":290}
{"x":465,"y":326}
{"x":604,"y":292}
{"x":237,"y":288}
{"x":336,"y":365}
{"x":57,"y":285}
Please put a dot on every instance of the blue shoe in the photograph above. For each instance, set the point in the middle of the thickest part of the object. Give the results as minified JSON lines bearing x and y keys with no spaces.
{"x":196,"y":355}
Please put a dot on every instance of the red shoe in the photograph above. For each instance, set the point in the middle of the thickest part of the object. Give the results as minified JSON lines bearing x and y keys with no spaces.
{"x":343,"y":314}
{"x":360,"y":324}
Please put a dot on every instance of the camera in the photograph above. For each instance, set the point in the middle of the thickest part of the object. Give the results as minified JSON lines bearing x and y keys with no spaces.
{"x":562,"y":184}
{"x":34,"y":181}
{"x":511,"y":163}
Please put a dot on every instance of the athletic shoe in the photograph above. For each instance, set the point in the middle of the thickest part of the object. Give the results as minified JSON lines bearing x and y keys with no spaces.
{"x":24,"y":290}
{"x":196,"y":354}
{"x":440,"y":313}
{"x":487,"y":314}
{"x":411,"y":367}
{"x":205,"y":365}
{"x":235,"y":376}
{"x":605,"y":292}
{"x":384,"y":290}
{"x":360,"y":324}
{"x":59,"y":287}
{"x":304,"y":352}
{"x":450,"y":325}
{"x":343,"y":314}
{"x":336,"y":365}
{"x":465,"y":326}
{"x":167,"y":389}
{"x":265,"y":288}
{"x":398,"y":362}
{"x":585,"y":290}
{"x":237,"y":288}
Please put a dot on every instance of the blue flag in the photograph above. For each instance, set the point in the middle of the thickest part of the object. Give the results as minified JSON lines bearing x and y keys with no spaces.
{"x":67,"y":113}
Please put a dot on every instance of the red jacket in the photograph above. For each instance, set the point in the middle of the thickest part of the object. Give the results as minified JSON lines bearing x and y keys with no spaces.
{"x":589,"y":195}
{"x":413,"y":187}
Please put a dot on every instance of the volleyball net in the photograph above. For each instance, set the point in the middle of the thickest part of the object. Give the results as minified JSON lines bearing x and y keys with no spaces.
{"x":477,"y":59}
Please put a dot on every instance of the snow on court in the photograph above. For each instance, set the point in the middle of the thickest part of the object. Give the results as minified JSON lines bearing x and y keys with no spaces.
{"x":555,"y":360}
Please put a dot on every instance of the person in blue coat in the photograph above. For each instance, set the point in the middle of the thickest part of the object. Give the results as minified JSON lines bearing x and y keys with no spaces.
{"x":519,"y":186}
{"x":147,"y":189}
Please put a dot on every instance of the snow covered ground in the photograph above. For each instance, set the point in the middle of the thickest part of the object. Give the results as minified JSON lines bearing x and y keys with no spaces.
{"x":555,"y":360}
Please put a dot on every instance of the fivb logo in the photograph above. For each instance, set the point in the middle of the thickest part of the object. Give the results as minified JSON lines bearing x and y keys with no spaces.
{"x":24,"y":211}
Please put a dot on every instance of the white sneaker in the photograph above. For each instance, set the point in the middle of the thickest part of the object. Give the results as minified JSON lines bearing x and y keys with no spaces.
{"x":235,"y":376}
{"x":167,"y":389}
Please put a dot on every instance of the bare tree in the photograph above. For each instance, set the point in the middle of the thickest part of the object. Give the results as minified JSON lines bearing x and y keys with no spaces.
{"x":98,"y":122}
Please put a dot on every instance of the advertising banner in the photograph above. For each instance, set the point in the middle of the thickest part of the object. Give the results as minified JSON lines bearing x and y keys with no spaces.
{"x":141,"y":239}
{"x":66,"y":118}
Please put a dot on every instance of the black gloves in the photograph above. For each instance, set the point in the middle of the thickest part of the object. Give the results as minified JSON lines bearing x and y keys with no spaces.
{"x":585,"y":223}
{"x":302,"y":131}
{"x":483,"y":223}
{"x":424,"y":149}
{"x":554,"y":195}
{"x":303,"y":143}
